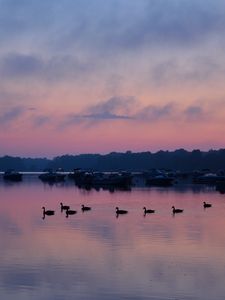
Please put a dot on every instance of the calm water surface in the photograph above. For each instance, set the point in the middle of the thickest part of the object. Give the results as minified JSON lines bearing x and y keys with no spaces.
{"x":95,"y":255}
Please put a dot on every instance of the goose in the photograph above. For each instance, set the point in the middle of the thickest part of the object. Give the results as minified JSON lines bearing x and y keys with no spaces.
{"x":70,"y":212}
{"x":48,"y":212}
{"x":206,"y":204}
{"x":177,"y":210}
{"x":64,"y":207}
{"x":148,"y":211}
{"x":85,"y":208}
{"x":121,"y":211}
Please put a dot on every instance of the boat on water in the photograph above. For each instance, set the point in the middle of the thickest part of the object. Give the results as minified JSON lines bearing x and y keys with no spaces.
{"x":220,"y":186}
{"x":12,"y":175}
{"x":77,"y":174}
{"x":52,"y":177}
{"x":209,"y":178}
{"x":121,"y":179}
{"x":159,"y":180}
{"x":101,"y":179}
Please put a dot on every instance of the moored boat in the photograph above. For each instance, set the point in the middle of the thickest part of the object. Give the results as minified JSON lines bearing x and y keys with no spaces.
{"x":101,"y":179}
{"x":209,"y":178}
{"x":12,"y":175}
{"x":159,"y":180}
{"x":120,"y":180}
{"x":52,"y":177}
{"x":220,"y":186}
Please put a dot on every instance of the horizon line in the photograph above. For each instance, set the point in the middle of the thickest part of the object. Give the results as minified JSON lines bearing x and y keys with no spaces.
{"x":108,"y":153}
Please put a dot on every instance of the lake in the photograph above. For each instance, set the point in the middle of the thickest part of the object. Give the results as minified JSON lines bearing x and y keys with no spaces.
{"x":95,"y":255}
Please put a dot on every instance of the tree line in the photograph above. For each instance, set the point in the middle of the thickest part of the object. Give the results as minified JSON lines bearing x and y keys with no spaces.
{"x":180,"y":159}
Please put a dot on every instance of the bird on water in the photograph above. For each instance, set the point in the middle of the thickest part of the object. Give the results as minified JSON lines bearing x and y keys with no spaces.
{"x":177,"y":210}
{"x":206,"y":204}
{"x":70,"y":212}
{"x":85,"y":208}
{"x":121,"y":211}
{"x":47,"y":212}
{"x":148,"y":211}
{"x":64,"y":207}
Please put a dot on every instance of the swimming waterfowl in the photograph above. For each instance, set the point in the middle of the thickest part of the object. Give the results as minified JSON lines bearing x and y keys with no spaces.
{"x":48,"y":212}
{"x":64,"y":207}
{"x":121,"y":211}
{"x":177,"y":210}
{"x":206,"y":204}
{"x":70,"y":212}
{"x":148,"y":211}
{"x":85,"y":208}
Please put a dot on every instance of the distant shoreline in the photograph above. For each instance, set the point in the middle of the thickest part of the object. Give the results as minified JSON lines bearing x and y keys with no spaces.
{"x":183,"y":160}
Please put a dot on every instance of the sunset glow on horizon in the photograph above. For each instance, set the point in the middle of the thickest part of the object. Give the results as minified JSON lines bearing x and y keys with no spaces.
{"x":98,"y":76}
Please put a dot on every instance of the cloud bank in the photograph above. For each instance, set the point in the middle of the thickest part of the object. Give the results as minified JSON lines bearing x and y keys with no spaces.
{"x":74,"y":62}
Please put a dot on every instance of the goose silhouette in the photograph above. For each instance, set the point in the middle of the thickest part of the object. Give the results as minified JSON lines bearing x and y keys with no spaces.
{"x":121,"y":211}
{"x":47,"y":212}
{"x":148,"y":211}
{"x":64,"y":207}
{"x":70,"y":212}
{"x":85,"y":208}
{"x":177,"y":210}
{"x":206,"y":204}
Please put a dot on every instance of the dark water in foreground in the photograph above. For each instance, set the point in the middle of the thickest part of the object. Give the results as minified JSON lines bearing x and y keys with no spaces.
{"x":95,"y":255}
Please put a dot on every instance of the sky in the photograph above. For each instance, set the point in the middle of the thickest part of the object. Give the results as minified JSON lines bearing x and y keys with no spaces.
{"x":81,"y":76}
